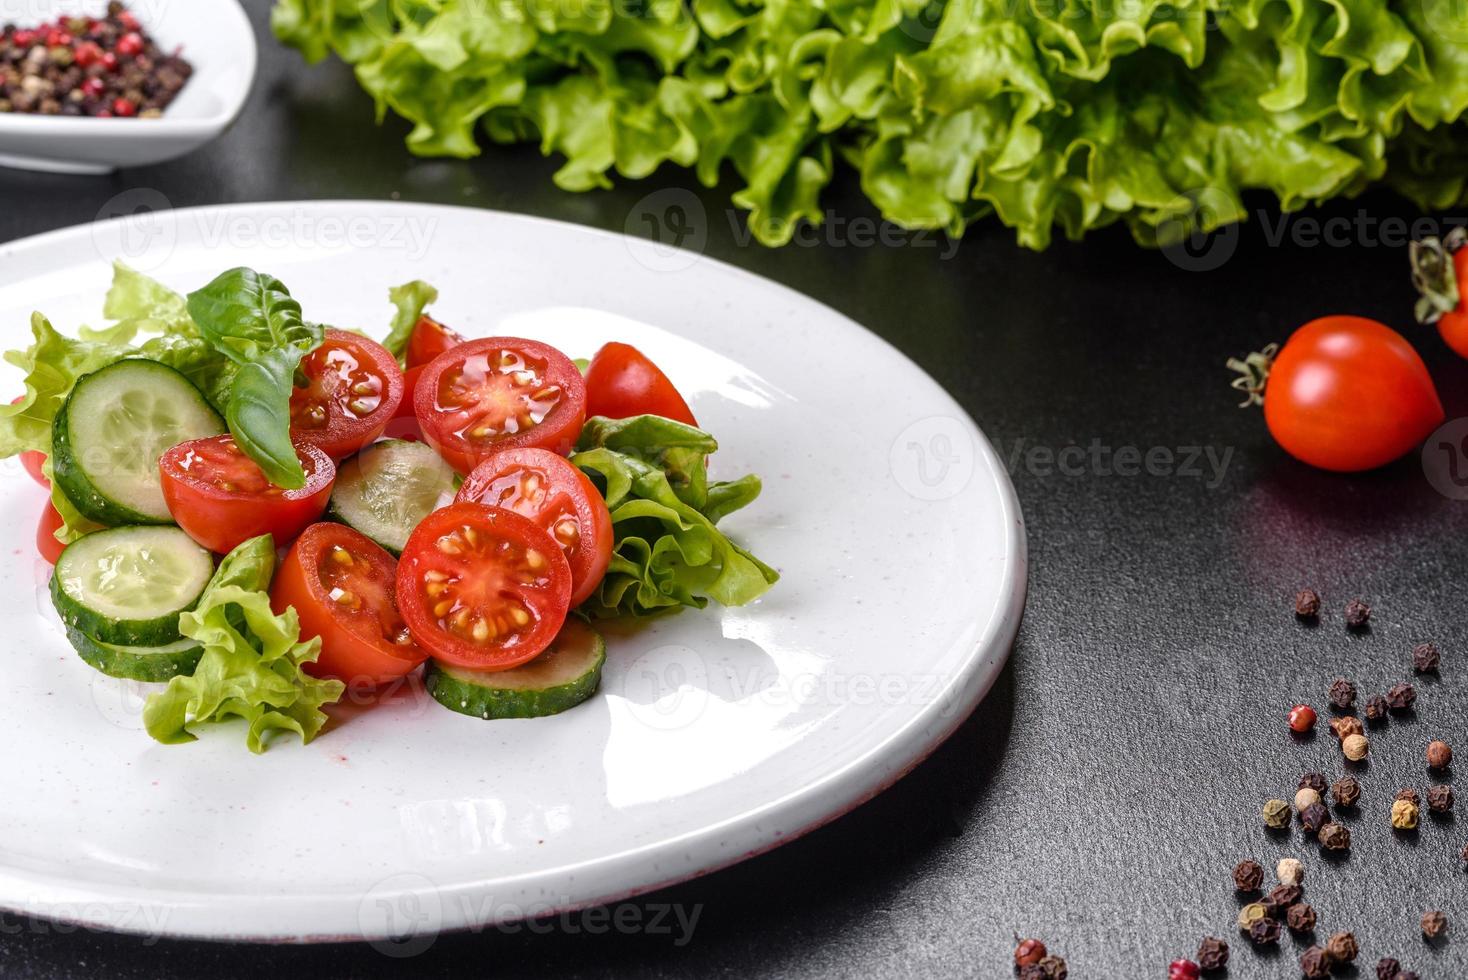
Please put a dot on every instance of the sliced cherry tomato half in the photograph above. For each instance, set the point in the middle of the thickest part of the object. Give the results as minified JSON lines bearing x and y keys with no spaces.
{"x":428,"y":340}
{"x":354,"y":387}
{"x":621,"y":382}
{"x":483,"y":587}
{"x":553,"y":493}
{"x":404,"y":424}
{"x":219,"y":496}
{"x":499,"y":393}
{"x":33,"y":459}
{"x":343,"y":589}
{"x":46,"y":542}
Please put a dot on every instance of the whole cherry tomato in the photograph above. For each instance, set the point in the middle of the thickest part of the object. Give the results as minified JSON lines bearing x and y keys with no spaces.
{"x":1344,"y":393}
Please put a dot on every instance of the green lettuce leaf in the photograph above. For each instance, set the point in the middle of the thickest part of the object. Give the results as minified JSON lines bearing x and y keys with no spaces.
{"x":667,"y":552}
{"x":251,"y":666}
{"x":409,"y":300}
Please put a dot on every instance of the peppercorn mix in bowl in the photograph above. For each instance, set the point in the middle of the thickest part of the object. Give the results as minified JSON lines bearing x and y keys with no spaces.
{"x":88,"y":86}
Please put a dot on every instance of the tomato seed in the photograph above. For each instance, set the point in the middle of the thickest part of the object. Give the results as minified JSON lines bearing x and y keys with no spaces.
{"x":343,"y":597}
{"x":434,"y":575}
{"x":442,"y":609}
{"x":449,"y":546}
{"x":364,"y":388}
{"x":435,"y":588}
{"x":534,"y":558}
{"x":520,"y":616}
{"x":340,"y":556}
{"x":481,"y":631}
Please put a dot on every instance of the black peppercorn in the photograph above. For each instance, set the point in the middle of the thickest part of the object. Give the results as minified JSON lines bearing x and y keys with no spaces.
{"x":1342,"y":948}
{"x":1033,"y":972}
{"x":1346,"y":791}
{"x":1387,"y":968}
{"x":1300,"y":917}
{"x":1248,"y":876}
{"x":1434,"y":924}
{"x":1334,"y":837}
{"x":1315,"y":963}
{"x":1314,"y":817}
{"x":1400,"y":697}
{"x":1440,"y":798}
{"x":1313,"y":780}
{"x":1425,"y":658}
{"x":1357,"y":614}
{"x":1264,"y":932}
{"x":1280,"y":898}
{"x":1408,"y":975}
{"x":1410,"y":795}
{"x":1376,"y":708}
{"x":1342,"y":693}
{"x":1307,"y":604}
{"x":1212,"y":954}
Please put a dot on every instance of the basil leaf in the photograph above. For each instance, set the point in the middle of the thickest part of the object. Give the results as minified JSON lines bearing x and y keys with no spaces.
{"x":252,"y":319}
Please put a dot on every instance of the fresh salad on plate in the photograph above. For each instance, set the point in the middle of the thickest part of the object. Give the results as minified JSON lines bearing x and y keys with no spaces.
{"x":257,"y":510}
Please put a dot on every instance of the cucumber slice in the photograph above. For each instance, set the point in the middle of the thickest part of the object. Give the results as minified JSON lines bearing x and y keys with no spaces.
{"x":127,"y":585}
{"x":388,"y":488}
{"x":158,"y":663}
{"x":108,"y":436}
{"x":566,"y":674}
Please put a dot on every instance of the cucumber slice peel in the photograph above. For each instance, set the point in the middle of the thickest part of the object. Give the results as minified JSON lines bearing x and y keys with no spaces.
{"x":566,"y":674}
{"x":128,"y":585}
{"x":154,"y":663}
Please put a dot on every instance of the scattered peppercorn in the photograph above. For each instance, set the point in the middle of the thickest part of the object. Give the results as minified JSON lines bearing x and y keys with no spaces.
{"x":1248,"y":876}
{"x":1276,"y":814}
{"x":1355,"y":747}
{"x":1307,"y":604}
{"x":1314,"y":780}
{"x":1434,"y":924}
{"x":1182,"y":970}
{"x":1439,"y":754}
{"x":1302,"y":719}
{"x":1376,"y":708}
{"x":1314,"y":817}
{"x":1306,"y":798}
{"x":1029,"y":951}
{"x":1404,"y":815}
{"x":1250,"y":914}
{"x":1401,"y":696}
{"x":1300,"y":917}
{"x":1463,"y":856}
{"x":1408,"y":975}
{"x":1342,"y":948}
{"x":1346,"y":791}
{"x":1264,"y":932}
{"x":1344,"y":726}
{"x":1409,"y":794}
{"x":1054,"y":968}
{"x":1032,"y":972}
{"x":1335,"y":837}
{"x":1280,"y":898}
{"x":1425,"y":658}
{"x":1315,"y":963}
{"x":1212,"y":954}
{"x":1440,"y":798}
{"x":1289,"y":871}
{"x":1342,"y":693}
{"x":1387,"y":968}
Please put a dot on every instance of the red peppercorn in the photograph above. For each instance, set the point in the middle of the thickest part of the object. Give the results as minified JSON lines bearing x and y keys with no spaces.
{"x":23,"y":38}
{"x":87,"y":53}
{"x":130,"y":45}
{"x":1182,"y":970}
{"x":1028,"y":952}
{"x":127,"y":20}
{"x":109,"y":61}
{"x":94,"y":88}
{"x":1302,"y":719}
{"x":123,"y":107}
{"x":58,"y":38}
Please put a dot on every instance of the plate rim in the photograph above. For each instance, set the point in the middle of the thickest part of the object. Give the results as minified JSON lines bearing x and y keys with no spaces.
{"x":761,"y":828}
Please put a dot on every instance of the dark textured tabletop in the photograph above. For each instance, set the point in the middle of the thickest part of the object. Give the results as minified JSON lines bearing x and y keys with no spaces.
{"x":1101,"y":795}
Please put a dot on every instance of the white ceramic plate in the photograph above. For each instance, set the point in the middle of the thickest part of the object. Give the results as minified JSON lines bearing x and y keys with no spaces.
{"x":215,"y":36}
{"x":718,"y":734}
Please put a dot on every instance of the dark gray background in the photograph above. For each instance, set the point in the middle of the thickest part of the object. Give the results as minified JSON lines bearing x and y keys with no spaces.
{"x":1102,"y":793}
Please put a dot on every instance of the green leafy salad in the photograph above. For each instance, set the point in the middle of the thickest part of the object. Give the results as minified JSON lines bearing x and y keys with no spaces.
{"x":1071,"y":114}
{"x":261,"y":513}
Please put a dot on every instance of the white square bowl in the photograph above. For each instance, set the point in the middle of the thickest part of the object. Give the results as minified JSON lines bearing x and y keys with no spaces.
{"x":215,"y":37}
